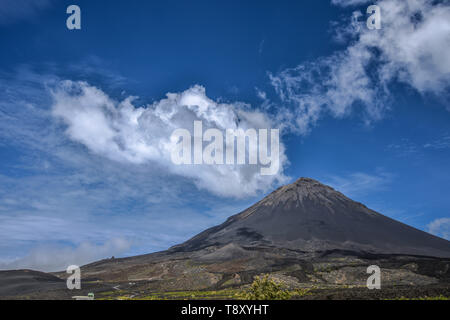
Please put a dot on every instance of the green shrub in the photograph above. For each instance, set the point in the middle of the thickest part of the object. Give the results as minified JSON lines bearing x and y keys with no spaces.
{"x":265,"y":288}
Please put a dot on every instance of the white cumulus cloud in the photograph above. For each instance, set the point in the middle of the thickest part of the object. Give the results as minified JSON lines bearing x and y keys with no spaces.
{"x":123,"y":132}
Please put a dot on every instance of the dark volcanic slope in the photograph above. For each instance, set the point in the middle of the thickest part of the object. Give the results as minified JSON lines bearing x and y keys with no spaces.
{"x":17,"y":282}
{"x":310,"y":216}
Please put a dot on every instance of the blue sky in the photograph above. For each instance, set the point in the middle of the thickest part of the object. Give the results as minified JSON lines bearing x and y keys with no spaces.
{"x":365,"y":111}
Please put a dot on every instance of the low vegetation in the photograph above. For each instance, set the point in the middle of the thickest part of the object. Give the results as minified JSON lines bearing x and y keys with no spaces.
{"x":266,"y":288}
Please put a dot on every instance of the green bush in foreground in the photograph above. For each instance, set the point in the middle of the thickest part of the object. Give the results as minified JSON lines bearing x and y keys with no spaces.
{"x":264,"y":288}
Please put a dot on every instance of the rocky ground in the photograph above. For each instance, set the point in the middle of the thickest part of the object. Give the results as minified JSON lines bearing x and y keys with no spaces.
{"x":226,"y":274}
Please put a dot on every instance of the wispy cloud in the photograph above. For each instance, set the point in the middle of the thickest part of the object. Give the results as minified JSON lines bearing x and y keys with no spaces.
{"x":359,"y":183}
{"x":12,"y":11}
{"x":439,"y":144}
{"x":411,"y":48}
{"x":440,"y":227}
{"x":348,"y":3}
{"x":404,"y":148}
{"x":58,"y":258}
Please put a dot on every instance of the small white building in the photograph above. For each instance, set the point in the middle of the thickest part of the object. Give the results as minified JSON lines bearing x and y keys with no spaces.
{"x":90,"y":296}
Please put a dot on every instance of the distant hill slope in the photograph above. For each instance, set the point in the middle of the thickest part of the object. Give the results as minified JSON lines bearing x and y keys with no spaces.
{"x":19,"y":282}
